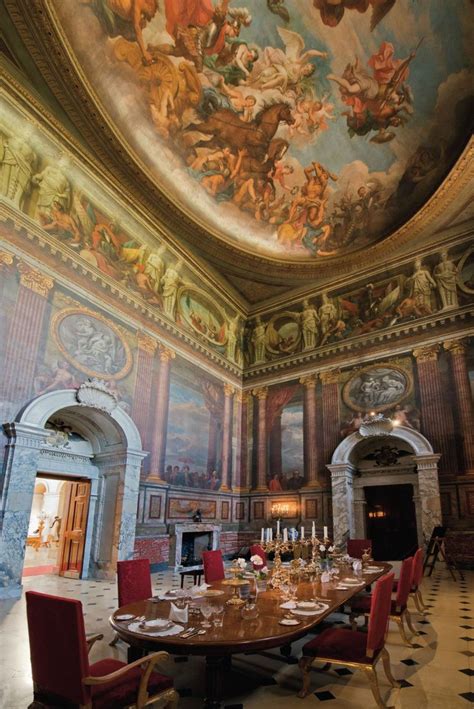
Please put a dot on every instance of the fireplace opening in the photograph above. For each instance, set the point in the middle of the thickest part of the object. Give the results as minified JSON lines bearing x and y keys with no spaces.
{"x":391,"y":521}
{"x":194,"y":543}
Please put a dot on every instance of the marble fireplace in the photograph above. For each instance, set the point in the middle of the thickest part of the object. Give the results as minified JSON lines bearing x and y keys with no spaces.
{"x":189,"y":541}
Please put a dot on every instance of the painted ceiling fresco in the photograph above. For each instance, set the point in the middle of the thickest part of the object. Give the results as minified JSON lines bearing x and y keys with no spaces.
{"x":299,"y":129}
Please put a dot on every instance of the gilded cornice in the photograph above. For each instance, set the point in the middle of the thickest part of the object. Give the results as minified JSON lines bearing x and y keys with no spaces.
{"x":38,"y":25}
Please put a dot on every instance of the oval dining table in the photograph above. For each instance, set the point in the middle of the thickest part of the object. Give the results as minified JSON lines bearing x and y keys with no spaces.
{"x":236,"y":635}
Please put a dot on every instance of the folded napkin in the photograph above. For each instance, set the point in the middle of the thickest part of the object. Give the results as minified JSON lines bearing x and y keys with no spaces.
{"x":178,"y":614}
{"x":288,"y":605}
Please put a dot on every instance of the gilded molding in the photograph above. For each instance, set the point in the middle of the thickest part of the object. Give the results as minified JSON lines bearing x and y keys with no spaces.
{"x":34,"y":280}
{"x":6,"y":259}
{"x":146,"y":343}
{"x":427,"y":353}
{"x":330,"y":376}
{"x":455,"y":347}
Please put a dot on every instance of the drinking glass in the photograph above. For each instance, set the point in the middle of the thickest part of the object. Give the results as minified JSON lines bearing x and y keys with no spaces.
{"x":206,"y":610}
{"x":218,"y":620}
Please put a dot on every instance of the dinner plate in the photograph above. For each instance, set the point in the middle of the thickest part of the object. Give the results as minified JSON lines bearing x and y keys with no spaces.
{"x":154,"y":630}
{"x":351,"y":582}
{"x":307,"y":605}
{"x":374,"y":568}
{"x":289,"y":621}
{"x":125,"y":616}
{"x":315,"y":611}
{"x":210,"y":593}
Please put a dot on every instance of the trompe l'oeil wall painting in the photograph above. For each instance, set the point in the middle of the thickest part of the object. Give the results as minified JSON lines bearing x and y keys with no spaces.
{"x":301,"y":129}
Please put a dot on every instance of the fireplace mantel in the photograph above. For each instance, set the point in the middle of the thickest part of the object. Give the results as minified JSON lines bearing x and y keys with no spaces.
{"x":193,"y":527}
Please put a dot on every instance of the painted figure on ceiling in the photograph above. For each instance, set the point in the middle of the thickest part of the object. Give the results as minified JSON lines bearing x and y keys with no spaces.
{"x":169,"y":286}
{"x":17,"y":162}
{"x":332,"y":11}
{"x":54,"y":189}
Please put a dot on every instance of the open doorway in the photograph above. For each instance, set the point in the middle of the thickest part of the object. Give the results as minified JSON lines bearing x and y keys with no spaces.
{"x":57,"y":527}
{"x":391,"y":521}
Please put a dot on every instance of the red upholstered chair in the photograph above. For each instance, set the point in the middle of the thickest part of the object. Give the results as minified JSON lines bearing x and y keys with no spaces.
{"x":361,"y":605}
{"x":62,"y":675}
{"x":417,"y":576}
{"x":134,"y":584}
{"x":356,"y":547}
{"x":352,"y":648}
{"x":213,"y":564}
{"x":256,"y":550}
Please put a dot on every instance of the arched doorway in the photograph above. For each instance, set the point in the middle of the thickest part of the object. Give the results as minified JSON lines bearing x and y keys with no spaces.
{"x":107,"y":453}
{"x":417,"y":467}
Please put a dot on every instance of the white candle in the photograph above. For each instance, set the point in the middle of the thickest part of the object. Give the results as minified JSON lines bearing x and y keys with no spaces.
{"x":313,"y":532}
{"x":285,"y":535}
{"x":302,"y":533}
{"x":326,"y":533}
{"x":278,"y":527}
{"x":271,"y":534}
{"x":262,"y":538}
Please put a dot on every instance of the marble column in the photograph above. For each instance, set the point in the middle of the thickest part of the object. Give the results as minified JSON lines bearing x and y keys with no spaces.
{"x":239,"y":473}
{"x":464,"y":408}
{"x":141,"y":410}
{"x":275,"y":446}
{"x":19,"y":474}
{"x":428,"y":486}
{"x":261,"y":393}
{"x":24,"y":336}
{"x":436,"y":413}
{"x":311,"y":460}
{"x":360,"y":505}
{"x":331,"y":413}
{"x":342,"y":501}
{"x":160,"y":430}
{"x":229,"y":392}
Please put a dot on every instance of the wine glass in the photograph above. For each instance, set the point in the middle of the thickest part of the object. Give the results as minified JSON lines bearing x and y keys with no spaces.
{"x":206,"y":610}
{"x":218,"y":619}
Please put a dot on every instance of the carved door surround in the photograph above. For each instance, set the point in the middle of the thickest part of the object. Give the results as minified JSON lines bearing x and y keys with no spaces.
{"x":348,"y":496}
{"x":110,"y":458}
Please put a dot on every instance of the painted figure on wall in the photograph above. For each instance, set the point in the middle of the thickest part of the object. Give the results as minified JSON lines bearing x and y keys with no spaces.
{"x":54,"y":190}
{"x":421,"y":286}
{"x":17,"y":164}
{"x":309,"y":325}
{"x":445,"y":275}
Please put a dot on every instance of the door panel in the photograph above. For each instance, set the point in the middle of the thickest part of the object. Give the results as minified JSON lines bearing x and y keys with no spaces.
{"x":74,"y":537}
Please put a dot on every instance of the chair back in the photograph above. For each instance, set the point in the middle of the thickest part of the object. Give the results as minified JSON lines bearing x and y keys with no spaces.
{"x":213,"y":564}
{"x":417,"y":569}
{"x":379,"y":612}
{"x":58,"y":648}
{"x":133,"y":581}
{"x":404,"y":583}
{"x":355,"y":547}
{"x":256,"y":550}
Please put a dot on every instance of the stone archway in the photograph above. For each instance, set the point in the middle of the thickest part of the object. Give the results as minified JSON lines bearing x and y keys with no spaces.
{"x":112,"y":463}
{"x":342,"y":469}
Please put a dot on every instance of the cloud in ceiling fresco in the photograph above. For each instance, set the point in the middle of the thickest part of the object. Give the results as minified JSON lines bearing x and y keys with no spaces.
{"x":297,"y":130}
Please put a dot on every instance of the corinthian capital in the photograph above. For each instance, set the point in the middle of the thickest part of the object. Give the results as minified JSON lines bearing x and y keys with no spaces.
{"x":260,"y":393}
{"x":309,"y":381}
{"x":456,"y":347}
{"x":229,"y":390}
{"x":34,"y":280}
{"x":331,"y":376}
{"x":146,"y":343}
{"x":166,"y":354}
{"x":427,"y":353}
{"x":6,"y":259}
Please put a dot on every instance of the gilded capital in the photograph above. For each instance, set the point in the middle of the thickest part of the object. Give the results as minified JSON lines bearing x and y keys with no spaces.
{"x":309,"y":381}
{"x":166,"y":354}
{"x":427,"y":353}
{"x":6,"y":259}
{"x":34,"y":280}
{"x":331,"y":376}
{"x":229,"y":390}
{"x":243,"y":397}
{"x":261,"y":393}
{"x":146,"y":343}
{"x":456,"y":347}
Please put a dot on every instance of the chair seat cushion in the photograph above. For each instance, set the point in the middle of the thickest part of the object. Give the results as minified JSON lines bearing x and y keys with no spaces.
{"x":122,"y":692}
{"x":361,"y":604}
{"x":339,"y":644}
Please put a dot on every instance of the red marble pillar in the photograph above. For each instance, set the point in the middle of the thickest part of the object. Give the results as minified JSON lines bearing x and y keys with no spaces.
{"x":212,"y":443}
{"x":261,"y":394}
{"x":275,"y":446}
{"x":229,"y":392}
{"x":311,"y":462}
{"x":331,"y":414}
{"x":141,"y":412}
{"x":239,"y":473}
{"x":436,"y":413}
{"x":158,"y":448}
{"x":462,"y":389}
{"x":24,"y":335}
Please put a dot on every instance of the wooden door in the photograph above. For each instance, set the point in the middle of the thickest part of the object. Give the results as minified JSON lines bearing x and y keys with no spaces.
{"x":74,"y":530}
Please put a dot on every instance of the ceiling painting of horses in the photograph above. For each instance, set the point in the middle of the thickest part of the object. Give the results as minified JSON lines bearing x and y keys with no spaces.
{"x":300,"y":129}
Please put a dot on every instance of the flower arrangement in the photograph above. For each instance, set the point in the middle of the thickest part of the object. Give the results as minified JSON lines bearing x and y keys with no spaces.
{"x":239,"y":565}
{"x":326,"y":550}
{"x":259,"y":569}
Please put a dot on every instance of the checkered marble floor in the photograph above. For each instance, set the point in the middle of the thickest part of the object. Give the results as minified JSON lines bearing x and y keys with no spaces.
{"x":438,"y":673}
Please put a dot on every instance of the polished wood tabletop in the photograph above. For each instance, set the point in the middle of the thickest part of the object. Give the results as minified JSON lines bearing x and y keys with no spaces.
{"x":237,"y":635}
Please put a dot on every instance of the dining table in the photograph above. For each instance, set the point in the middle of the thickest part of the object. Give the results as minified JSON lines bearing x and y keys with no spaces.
{"x":238,"y":635}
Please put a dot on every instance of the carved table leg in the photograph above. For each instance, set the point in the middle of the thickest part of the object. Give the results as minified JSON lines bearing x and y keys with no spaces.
{"x":214,"y":674}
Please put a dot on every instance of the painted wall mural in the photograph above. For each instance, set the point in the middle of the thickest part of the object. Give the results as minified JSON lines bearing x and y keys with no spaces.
{"x":439,"y":282}
{"x":302,"y":130}
{"x":377,"y":388}
{"x":41,"y":180}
